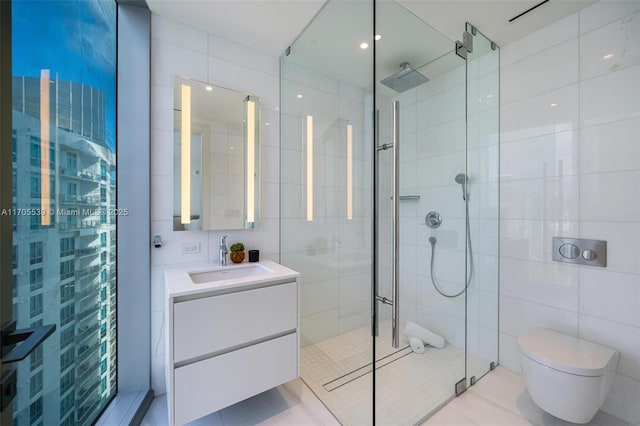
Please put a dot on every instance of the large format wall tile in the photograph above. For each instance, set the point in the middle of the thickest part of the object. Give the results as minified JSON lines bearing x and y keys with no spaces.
{"x":570,"y":167}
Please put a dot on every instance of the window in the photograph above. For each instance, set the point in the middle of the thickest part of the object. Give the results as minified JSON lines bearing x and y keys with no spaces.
{"x":103,"y":331}
{"x":35,"y":359}
{"x":14,"y":182}
{"x":34,"y":186}
{"x":79,"y":87}
{"x":72,"y":162}
{"x":66,"y":337}
{"x":67,"y":269}
{"x":34,"y":221}
{"x":15,"y":257}
{"x":66,"y":381}
{"x":103,"y":218}
{"x":103,"y":279}
{"x":35,"y":305}
{"x":72,"y":189}
{"x":34,"y":150}
{"x":69,"y":421}
{"x":67,"y":246}
{"x":35,"y":410}
{"x":66,"y":359}
{"x":103,"y":366}
{"x":67,"y":292}
{"x":14,"y":145}
{"x":35,"y":279}
{"x":103,"y":194}
{"x":66,"y":403}
{"x":103,"y":239}
{"x":103,"y":257}
{"x":103,"y":312}
{"x":66,"y":314}
{"x":35,"y":384}
{"x":35,"y":252}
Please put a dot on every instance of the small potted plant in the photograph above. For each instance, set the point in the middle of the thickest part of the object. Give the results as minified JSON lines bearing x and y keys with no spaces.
{"x":237,"y":253}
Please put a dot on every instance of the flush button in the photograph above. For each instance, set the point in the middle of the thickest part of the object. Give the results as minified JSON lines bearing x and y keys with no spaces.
{"x":589,"y":255}
{"x":570,"y":251}
{"x":579,"y":250}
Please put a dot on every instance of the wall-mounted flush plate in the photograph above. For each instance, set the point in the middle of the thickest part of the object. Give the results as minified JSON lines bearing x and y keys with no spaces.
{"x":580,"y":251}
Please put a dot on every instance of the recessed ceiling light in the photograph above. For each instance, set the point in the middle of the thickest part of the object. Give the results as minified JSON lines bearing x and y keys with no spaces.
{"x":553,"y":105}
{"x":266,"y":124}
{"x":299,"y":96}
{"x":364,"y":45}
{"x":489,"y":96}
{"x":377,"y":37}
{"x":608,"y":56}
{"x":209,"y":88}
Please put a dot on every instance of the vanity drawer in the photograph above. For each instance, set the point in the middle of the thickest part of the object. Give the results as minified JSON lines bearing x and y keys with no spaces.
{"x":212,"y":384}
{"x":213,"y":324}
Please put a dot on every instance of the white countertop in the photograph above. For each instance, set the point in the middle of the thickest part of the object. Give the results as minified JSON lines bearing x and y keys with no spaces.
{"x":179,"y":283}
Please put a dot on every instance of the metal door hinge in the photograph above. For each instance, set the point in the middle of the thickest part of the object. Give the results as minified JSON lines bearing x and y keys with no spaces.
{"x":461,"y":386}
{"x":464,"y":47}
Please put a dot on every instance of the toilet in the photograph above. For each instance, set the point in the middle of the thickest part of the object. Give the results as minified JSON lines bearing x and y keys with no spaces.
{"x":567,"y":377}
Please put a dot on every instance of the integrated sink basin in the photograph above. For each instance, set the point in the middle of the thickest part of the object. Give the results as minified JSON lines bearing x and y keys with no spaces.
{"x":228,"y":273}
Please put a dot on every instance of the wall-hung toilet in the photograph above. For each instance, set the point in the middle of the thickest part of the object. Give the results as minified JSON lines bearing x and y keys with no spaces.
{"x":567,"y":377}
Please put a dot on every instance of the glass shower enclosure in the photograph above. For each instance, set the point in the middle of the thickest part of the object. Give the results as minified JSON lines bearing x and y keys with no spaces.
{"x":389,"y":209}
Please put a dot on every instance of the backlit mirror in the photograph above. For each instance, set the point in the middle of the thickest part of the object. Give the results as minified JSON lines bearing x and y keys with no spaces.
{"x":216,"y":146}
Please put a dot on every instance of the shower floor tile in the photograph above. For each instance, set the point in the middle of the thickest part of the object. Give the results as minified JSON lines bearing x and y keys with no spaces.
{"x":409,"y":389}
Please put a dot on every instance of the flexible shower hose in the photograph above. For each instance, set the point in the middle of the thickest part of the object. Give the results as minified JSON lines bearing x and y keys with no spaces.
{"x":433,"y":240}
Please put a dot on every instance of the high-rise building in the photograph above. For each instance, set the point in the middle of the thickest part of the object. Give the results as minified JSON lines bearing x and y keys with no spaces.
{"x":64,"y":261}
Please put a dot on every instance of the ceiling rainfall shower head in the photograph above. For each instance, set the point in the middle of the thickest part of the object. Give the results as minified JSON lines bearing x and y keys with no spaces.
{"x":405,"y":79}
{"x":463,"y":179}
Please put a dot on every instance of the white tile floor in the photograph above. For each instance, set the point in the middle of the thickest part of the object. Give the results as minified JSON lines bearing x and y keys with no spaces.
{"x":498,"y":399}
{"x":410,"y":387}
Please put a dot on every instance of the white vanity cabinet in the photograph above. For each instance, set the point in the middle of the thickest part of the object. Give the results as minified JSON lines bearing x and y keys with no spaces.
{"x":228,"y":342}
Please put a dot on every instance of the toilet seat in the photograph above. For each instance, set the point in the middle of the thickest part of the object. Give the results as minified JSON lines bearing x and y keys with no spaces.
{"x":566,"y":353}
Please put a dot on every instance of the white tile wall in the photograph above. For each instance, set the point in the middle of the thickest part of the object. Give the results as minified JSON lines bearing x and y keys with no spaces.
{"x":332,"y":253}
{"x":177,"y":49}
{"x":573,"y":170}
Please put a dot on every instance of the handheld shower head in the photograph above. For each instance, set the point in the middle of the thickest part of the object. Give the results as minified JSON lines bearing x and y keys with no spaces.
{"x":463,"y":180}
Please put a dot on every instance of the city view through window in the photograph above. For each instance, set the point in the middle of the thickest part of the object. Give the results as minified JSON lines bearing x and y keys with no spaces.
{"x":64,"y":206}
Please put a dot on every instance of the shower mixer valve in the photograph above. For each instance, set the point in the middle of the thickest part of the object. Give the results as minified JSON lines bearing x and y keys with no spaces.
{"x":433,"y":220}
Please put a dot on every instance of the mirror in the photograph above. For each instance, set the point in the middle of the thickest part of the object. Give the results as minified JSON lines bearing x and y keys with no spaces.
{"x":216,"y":157}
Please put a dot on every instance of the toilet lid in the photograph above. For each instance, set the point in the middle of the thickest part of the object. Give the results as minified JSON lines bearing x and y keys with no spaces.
{"x":566,"y":353}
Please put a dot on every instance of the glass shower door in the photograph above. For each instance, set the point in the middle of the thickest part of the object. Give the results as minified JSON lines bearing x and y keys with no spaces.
{"x":420,"y":96}
{"x":483,"y":112}
{"x":326,"y":193}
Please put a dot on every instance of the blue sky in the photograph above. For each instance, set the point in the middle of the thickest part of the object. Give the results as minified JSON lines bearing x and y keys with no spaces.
{"x":75,"y":39}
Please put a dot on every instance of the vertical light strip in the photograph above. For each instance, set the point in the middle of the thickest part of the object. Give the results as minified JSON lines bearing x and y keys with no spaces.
{"x":309,"y":168}
{"x":251,"y":158}
{"x":185,"y":139}
{"x":349,"y":172}
{"x":45,"y":160}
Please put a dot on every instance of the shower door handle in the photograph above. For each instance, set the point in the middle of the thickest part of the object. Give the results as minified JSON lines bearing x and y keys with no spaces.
{"x":395,"y":310}
{"x":394,"y":302}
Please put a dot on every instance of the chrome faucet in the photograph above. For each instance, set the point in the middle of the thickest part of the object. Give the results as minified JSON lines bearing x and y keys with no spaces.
{"x":223,"y":250}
